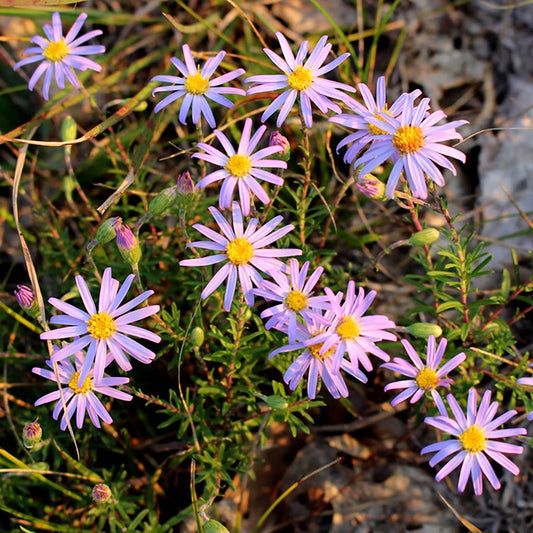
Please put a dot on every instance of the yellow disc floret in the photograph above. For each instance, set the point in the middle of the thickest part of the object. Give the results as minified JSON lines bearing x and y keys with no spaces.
{"x":473,"y":439}
{"x":408,"y":139}
{"x":56,"y":51}
{"x":295,"y":301}
{"x":427,"y":379}
{"x":348,"y":329}
{"x":374,"y":130}
{"x":239,"y":251}
{"x":301,"y":79}
{"x":314,"y":350}
{"x":239,"y":165}
{"x":101,"y":326}
{"x":86,"y":386}
{"x":196,"y":84}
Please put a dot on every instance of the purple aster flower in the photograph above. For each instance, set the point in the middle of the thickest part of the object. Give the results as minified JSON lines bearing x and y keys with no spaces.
{"x":413,"y":142}
{"x":475,"y":442}
{"x":80,"y":398}
{"x":295,"y":295}
{"x":24,"y":296}
{"x":61,"y":55}
{"x":107,"y":329}
{"x":241,"y":168}
{"x":423,"y":377}
{"x":243,"y":252}
{"x":196,"y":87}
{"x":302,"y":79}
{"x":366,"y":131}
{"x":353,"y":333}
{"x":321,"y":365}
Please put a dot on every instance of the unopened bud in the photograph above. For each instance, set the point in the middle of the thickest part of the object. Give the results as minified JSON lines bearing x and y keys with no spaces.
{"x":101,"y":493}
{"x":128,"y":245}
{"x":69,"y":130}
{"x":423,"y":330}
{"x":277,"y":139}
{"x":24,"y":296}
{"x":32,"y":434}
{"x":276,"y":402}
{"x":107,"y":230}
{"x":425,"y":236}
{"x":371,"y":187}
{"x":214,"y":526}
{"x":185,"y":190}
{"x":162,"y":201}
{"x":197,"y":337}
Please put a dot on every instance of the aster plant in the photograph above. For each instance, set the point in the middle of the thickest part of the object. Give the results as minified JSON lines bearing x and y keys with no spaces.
{"x":475,"y":440}
{"x":241,"y":168}
{"x":243,"y":252}
{"x":196,"y":87}
{"x":103,"y":330}
{"x":59,"y":55}
{"x":301,"y":78}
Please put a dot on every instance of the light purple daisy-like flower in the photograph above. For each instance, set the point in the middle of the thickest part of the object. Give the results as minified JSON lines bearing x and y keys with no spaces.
{"x":60,"y":55}
{"x":243,"y":252}
{"x":103,"y":330}
{"x":241,"y":168}
{"x":413,"y":142}
{"x":196,"y":87}
{"x":372,"y":108}
{"x":301,"y":78}
{"x":474,"y":442}
{"x":320,"y":365}
{"x":423,"y":377}
{"x":353,"y":333}
{"x":528,"y":382}
{"x":294,"y":291}
{"x":80,"y":398}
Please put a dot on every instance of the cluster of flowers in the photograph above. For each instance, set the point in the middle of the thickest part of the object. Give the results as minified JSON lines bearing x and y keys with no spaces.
{"x":331,"y":329}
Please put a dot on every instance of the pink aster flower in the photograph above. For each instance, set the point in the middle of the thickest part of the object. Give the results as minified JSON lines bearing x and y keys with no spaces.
{"x":365,"y":130}
{"x":60,"y":55}
{"x":423,"y":377}
{"x":241,"y":168}
{"x":80,"y":398}
{"x":301,"y":78}
{"x":107,"y":329}
{"x":353,"y":333}
{"x":474,"y":442}
{"x":413,"y":142}
{"x":197,"y":87}
{"x":243,"y":252}
{"x":294,"y":292}
{"x":320,"y":365}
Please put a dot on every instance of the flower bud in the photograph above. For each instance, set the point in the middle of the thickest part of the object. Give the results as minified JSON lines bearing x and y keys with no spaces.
{"x":128,"y":245}
{"x":277,"y":139}
{"x":69,"y":130}
{"x":107,"y":230}
{"x":24,"y":296}
{"x":185,"y":190}
{"x":162,"y":201}
{"x":371,"y":187}
{"x":214,"y":526}
{"x":276,"y":402}
{"x":197,"y":337}
{"x":423,"y":330}
{"x":425,"y":236}
{"x":101,"y":493}
{"x":32,"y":434}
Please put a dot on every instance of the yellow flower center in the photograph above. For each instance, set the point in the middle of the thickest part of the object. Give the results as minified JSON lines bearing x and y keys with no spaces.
{"x":196,"y":84}
{"x":427,"y":379}
{"x":408,"y":139}
{"x":348,"y":329}
{"x":314,"y":350}
{"x":56,"y":51}
{"x":101,"y":326}
{"x":473,"y":439}
{"x":295,"y":301}
{"x":301,"y":79}
{"x":239,"y":165}
{"x":86,"y":386}
{"x":374,"y":130}
{"x":239,"y":251}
